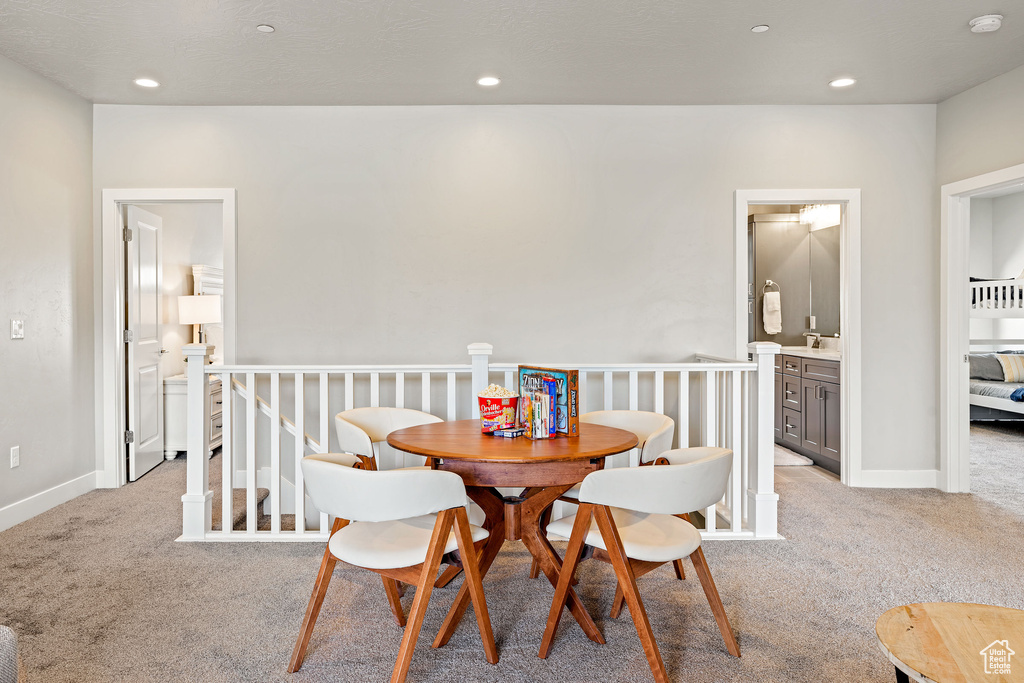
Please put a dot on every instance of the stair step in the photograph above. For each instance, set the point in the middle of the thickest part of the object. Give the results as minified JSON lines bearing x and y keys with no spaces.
{"x":238,"y":507}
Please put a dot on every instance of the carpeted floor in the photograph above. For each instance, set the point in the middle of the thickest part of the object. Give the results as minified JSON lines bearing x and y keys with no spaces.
{"x":98,"y":590}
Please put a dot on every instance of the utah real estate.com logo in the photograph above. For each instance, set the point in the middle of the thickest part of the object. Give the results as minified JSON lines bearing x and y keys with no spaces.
{"x":997,"y":657}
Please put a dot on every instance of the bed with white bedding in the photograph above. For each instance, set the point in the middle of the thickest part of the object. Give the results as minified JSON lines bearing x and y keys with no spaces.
{"x":992,"y":397}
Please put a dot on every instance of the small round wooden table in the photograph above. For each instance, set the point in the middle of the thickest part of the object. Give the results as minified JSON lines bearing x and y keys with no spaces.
{"x":545,"y":468}
{"x":953,"y":642}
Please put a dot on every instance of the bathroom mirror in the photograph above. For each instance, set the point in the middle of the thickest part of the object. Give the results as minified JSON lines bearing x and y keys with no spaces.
{"x":797,"y":248}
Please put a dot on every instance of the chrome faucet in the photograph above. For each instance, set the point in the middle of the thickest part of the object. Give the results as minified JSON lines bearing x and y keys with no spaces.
{"x":817,"y":339}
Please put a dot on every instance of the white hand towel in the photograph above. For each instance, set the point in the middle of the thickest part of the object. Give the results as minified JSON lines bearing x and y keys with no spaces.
{"x":772,"y":312}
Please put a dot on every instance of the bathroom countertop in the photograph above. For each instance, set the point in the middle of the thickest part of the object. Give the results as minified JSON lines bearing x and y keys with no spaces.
{"x":806,"y":352}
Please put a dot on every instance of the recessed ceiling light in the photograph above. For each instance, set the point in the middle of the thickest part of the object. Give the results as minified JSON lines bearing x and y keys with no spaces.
{"x":146,"y":83}
{"x":760,"y":28}
{"x":488,"y":81}
{"x":265,"y":28}
{"x":986,"y":23}
{"x":842,"y":82}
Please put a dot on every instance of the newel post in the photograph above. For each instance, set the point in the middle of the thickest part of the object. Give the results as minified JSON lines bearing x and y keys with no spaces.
{"x":762,"y":501}
{"x":479,"y":354}
{"x":197,"y":503}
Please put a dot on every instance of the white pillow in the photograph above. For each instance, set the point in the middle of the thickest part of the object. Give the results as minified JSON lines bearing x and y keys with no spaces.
{"x":1013,"y":366}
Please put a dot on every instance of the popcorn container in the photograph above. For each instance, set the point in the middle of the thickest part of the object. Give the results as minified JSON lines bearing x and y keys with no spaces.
{"x":497,"y":413}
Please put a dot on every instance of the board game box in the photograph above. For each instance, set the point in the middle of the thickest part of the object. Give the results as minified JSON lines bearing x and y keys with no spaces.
{"x":567,"y":418}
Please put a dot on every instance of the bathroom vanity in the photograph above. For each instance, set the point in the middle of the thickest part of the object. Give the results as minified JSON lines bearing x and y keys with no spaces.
{"x":808,"y":417}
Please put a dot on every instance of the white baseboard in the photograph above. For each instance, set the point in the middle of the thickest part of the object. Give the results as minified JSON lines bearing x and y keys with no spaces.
{"x":899,"y":479}
{"x":26,"y":509}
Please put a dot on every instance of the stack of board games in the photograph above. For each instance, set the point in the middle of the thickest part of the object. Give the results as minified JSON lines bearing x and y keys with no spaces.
{"x":563,"y":387}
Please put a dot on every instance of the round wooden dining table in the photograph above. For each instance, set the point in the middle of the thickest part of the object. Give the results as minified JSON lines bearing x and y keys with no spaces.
{"x":544,"y":468}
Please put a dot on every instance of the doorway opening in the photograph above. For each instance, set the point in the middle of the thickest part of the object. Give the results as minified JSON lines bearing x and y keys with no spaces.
{"x":845,"y":387}
{"x":976,"y":245}
{"x":145,"y":267}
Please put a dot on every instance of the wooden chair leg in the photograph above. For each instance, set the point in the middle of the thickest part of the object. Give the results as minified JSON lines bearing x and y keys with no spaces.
{"x":624,"y":573}
{"x":704,"y":574}
{"x":323,"y":579}
{"x":680,"y":572}
{"x":569,"y":563}
{"x":394,"y":599}
{"x":447,"y":576}
{"x":471,"y":565}
{"x":442,"y":527}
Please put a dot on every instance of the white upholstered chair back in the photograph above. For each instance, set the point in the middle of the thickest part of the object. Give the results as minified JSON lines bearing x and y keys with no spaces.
{"x":371,"y":496}
{"x":665,"y":489}
{"x":358,"y":429}
{"x":654,"y":431}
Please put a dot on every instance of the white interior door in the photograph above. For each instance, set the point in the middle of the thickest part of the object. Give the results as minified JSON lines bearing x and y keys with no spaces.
{"x":144,"y":420}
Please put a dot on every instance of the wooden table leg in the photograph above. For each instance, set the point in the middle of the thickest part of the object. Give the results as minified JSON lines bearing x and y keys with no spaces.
{"x":493,"y":506}
{"x":542,"y":550}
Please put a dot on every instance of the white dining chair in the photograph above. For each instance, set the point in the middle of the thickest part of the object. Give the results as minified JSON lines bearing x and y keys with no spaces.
{"x":362,"y":430}
{"x":634,"y":519}
{"x":398,"y":524}
{"x":654,"y":433}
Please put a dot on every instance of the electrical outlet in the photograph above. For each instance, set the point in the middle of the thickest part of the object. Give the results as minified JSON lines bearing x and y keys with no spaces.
{"x":17,"y":329}
{"x":15,"y":456}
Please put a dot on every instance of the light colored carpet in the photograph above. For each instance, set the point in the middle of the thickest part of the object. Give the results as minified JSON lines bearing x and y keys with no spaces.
{"x":98,"y":590}
{"x":787,"y":458}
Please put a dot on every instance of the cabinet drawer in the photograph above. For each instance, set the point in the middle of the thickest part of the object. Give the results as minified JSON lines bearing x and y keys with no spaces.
{"x":791,"y":392}
{"x":822,"y":370}
{"x":791,"y":365}
{"x":778,"y":362}
{"x":216,"y":429}
{"x":790,"y":427}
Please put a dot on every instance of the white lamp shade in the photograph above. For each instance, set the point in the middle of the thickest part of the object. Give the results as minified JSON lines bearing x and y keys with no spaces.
{"x":199,"y":310}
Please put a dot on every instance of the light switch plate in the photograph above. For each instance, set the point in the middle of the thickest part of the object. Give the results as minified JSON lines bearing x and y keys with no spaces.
{"x":15,"y":456}
{"x":17,"y":329}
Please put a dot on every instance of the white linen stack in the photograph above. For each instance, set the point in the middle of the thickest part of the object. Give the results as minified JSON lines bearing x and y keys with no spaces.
{"x":772,"y":312}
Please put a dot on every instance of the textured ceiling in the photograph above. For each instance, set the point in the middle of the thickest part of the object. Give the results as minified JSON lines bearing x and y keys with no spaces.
{"x":545,"y":51}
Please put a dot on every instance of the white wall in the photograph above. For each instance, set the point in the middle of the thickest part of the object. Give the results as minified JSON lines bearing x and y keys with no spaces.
{"x":46,"y":274}
{"x":191,"y":234}
{"x":400,"y":234}
{"x":980,"y":258}
{"x":979,"y":130}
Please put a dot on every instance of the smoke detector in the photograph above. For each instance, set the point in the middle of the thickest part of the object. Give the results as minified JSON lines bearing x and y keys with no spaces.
{"x":986,"y":23}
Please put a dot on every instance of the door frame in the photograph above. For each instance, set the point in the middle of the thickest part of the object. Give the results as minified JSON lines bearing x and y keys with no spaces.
{"x":955,"y":321}
{"x":111,"y":469}
{"x":851,"y":471}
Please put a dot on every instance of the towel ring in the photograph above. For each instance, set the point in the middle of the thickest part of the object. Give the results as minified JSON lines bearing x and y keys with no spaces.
{"x":769,"y":283}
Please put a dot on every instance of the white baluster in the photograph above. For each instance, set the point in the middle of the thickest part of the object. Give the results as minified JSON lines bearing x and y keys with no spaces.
{"x":250,"y":454}
{"x":683,"y":424}
{"x":275,"y":453}
{"x":736,"y":443}
{"x":450,"y":415}
{"x":399,"y":389}
{"x":226,"y":453}
{"x":300,"y":453}
{"x":425,"y":392}
{"x":608,"y":388}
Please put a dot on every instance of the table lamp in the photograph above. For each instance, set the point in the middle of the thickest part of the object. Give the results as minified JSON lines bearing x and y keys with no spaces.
{"x":198,"y":310}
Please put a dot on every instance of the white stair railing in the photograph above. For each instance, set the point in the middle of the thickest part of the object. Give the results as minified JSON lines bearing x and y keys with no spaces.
{"x":714,"y":401}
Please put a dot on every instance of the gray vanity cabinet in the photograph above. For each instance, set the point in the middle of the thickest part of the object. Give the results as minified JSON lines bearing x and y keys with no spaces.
{"x":810,"y":420}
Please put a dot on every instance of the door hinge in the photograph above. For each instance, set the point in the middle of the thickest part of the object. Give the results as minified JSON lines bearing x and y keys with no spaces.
{"x":966,"y":359}
{"x":127,"y":234}
{"x":129,"y":436}
{"x":127,"y":336}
